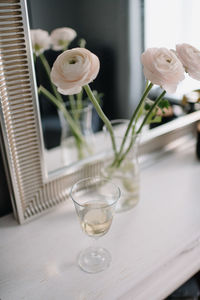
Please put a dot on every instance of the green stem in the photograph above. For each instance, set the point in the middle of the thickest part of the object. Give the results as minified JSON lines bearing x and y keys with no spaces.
{"x":102,"y":116}
{"x":74,"y":111}
{"x":61,"y":106}
{"x":79,"y":100}
{"x":48,"y":71}
{"x":146,"y":92}
{"x":80,"y":150}
{"x":151,"y":110}
{"x":79,"y":104}
{"x":82,"y":43}
{"x":118,"y":163}
{"x":146,"y":85}
{"x":34,"y":57}
{"x":72,"y":102}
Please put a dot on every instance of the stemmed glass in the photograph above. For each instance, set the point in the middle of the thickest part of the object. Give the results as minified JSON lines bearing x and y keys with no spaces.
{"x":95,"y":200}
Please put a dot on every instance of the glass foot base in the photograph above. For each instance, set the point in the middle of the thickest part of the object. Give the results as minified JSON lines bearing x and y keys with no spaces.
{"x":93,"y":260}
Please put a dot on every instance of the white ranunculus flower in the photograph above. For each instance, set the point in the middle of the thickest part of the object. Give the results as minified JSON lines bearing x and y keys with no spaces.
{"x":40,"y":40}
{"x":190,"y":58}
{"x":61,"y":37}
{"x":162,"y":67}
{"x":73,"y":69}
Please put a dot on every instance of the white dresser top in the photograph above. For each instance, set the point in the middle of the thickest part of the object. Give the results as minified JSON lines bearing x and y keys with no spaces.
{"x":155,"y":247}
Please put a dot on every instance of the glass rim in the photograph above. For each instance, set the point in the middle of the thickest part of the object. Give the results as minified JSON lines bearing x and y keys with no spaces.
{"x":87,"y":105}
{"x":122,"y":121}
{"x":100,"y":179}
{"x":125,"y":121}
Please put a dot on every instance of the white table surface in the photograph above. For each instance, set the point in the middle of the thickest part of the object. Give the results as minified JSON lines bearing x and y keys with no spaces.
{"x":155,"y":247}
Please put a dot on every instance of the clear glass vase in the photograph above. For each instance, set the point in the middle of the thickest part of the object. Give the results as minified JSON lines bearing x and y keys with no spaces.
{"x":72,"y":149}
{"x":126,"y":175}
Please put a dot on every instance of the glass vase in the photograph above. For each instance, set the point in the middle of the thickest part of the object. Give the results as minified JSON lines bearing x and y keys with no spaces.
{"x":72,"y":148}
{"x":125,"y":174}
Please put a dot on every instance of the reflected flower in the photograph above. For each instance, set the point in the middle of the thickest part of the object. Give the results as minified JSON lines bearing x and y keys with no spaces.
{"x":73,"y":69}
{"x":61,"y":38}
{"x":40,"y":40}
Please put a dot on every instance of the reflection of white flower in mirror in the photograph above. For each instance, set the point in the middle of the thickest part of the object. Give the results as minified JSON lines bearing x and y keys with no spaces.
{"x":61,"y":37}
{"x":190,"y":58}
{"x":40,"y":40}
{"x":73,"y":69}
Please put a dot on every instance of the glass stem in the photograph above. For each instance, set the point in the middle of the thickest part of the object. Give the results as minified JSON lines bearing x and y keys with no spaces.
{"x":94,"y":242}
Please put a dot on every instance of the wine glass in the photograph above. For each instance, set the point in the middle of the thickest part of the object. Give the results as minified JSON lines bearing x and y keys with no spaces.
{"x":95,"y":199}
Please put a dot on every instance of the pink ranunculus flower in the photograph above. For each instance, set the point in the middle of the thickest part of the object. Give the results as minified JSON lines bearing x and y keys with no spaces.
{"x":190,"y":58}
{"x":162,"y":67}
{"x":40,"y":40}
{"x":73,"y":69}
{"x":61,"y":37}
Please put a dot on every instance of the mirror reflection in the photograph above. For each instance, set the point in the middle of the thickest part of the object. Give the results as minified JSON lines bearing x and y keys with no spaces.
{"x":117,"y":32}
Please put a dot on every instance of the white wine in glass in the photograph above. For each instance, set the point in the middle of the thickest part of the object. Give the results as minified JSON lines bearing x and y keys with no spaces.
{"x":95,"y":201}
{"x":96,"y":218}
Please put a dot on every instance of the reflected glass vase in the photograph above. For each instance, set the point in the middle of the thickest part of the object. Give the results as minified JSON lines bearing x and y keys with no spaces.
{"x":125,"y":174}
{"x":73,"y":148}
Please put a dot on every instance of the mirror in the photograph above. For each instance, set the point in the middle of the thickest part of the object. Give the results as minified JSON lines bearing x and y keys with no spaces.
{"x":33,"y":192}
{"x":109,"y":39}
{"x":119,"y":32}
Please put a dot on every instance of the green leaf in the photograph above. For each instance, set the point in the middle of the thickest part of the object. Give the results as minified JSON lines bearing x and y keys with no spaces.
{"x":155,"y":119}
{"x":140,"y":112}
{"x":164,"y":103}
{"x":148,"y":104}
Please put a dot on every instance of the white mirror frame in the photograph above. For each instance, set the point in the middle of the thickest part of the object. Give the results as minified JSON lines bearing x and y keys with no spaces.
{"x":31,"y":191}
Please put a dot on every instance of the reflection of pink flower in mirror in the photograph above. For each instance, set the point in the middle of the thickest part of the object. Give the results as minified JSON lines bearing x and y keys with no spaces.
{"x":190,"y":58}
{"x":73,"y":69}
{"x":61,"y":37}
{"x":40,"y":40}
{"x":162,"y":67}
